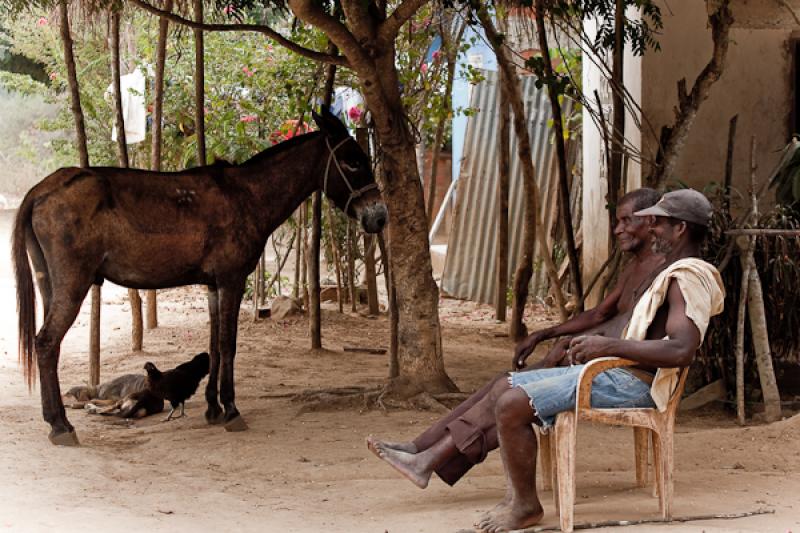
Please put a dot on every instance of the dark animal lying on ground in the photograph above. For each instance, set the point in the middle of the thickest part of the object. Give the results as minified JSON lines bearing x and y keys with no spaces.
{"x":126,"y":396}
{"x":180,"y":383}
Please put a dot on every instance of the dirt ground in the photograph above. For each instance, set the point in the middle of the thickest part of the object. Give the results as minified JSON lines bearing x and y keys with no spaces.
{"x":303,"y":472}
{"x":310,"y":471}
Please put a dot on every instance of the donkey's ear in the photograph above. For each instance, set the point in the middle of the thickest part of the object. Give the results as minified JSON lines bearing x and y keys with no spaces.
{"x":329,"y":124}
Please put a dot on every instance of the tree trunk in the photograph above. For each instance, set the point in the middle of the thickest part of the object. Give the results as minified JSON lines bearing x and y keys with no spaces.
{"x":298,"y":217}
{"x":314,"y":311}
{"x":673,"y":138}
{"x":335,"y":254}
{"x":199,"y":86}
{"x":561,"y":152}
{"x":391,"y":295}
{"x":615,"y":178}
{"x":122,"y":156}
{"x":503,"y":187}
{"x":533,"y":230}
{"x":155,"y":146}
{"x":83,"y":155}
{"x":371,"y":54}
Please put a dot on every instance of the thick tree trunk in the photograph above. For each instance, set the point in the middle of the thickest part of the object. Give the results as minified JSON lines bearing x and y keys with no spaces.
{"x":83,"y":155}
{"x":155,"y":146}
{"x":503,"y":187}
{"x":371,"y":54}
{"x":122,"y":156}
{"x":561,"y":152}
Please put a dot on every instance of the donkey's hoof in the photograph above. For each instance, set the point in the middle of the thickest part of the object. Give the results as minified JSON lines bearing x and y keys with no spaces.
{"x":236,"y":423}
{"x":214,"y":417}
{"x":65,"y":438}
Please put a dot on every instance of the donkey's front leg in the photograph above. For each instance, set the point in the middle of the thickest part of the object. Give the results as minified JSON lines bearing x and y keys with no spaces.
{"x":230,"y":297}
{"x":214,"y":411}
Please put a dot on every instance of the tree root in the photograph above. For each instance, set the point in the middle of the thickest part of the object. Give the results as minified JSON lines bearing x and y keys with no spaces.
{"x":365,"y":399}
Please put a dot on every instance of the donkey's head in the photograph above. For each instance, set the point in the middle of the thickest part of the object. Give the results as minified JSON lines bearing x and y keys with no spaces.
{"x":348,"y":180}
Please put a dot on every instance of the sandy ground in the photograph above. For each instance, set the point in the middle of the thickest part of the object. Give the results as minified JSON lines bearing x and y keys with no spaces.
{"x":304,"y":472}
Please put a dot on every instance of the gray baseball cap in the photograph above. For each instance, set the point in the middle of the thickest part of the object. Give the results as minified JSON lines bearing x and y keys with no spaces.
{"x":683,"y":204}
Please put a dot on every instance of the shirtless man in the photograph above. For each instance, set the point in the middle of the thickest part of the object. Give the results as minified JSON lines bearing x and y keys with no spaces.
{"x":611,"y":315}
{"x":476,"y":436}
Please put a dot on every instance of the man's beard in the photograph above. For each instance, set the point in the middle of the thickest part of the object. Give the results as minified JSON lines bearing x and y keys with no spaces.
{"x":661,"y":246}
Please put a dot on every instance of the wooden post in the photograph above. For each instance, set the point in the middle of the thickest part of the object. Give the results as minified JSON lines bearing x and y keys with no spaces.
{"x":351,"y":263}
{"x":394,"y":364}
{"x":335,"y":254}
{"x":747,"y":250}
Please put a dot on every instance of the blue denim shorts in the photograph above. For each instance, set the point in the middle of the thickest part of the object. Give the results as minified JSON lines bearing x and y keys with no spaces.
{"x":552,"y":390}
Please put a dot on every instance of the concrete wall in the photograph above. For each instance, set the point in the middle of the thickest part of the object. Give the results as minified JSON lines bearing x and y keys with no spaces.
{"x":756,"y":84}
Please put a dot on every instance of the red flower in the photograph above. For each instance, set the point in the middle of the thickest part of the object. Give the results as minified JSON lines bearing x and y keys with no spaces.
{"x":354,"y":113}
{"x":248,"y":118}
{"x":42,"y":21}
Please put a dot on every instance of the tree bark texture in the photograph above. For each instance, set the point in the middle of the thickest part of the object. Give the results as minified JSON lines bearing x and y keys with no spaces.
{"x":122,"y":156}
{"x":674,"y":138}
{"x":533,"y":230}
{"x":561,"y":152}
{"x":503,"y":188}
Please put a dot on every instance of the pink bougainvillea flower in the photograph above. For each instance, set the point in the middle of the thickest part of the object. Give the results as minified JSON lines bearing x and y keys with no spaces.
{"x":228,"y":10}
{"x":248,"y":118}
{"x":248,"y":72}
{"x":42,"y":21}
{"x":53,"y":76}
{"x":436,"y":55}
{"x":354,"y":113}
{"x":424,"y":68}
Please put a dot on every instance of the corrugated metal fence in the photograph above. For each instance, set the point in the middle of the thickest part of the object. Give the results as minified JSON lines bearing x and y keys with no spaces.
{"x":469,"y":270}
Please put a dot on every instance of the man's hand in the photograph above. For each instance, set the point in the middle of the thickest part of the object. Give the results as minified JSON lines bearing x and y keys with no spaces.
{"x":524,"y":348}
{"x":584,"y":348}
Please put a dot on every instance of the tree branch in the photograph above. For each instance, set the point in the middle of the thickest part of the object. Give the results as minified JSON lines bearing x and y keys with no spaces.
{"x":689,"y":103}
{"x":389,"y":29}
{"x":310,"y":12}
{"x":258,"y":28}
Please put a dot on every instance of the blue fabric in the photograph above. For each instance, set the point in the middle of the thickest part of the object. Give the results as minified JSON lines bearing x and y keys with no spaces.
{"x":553,"y":390}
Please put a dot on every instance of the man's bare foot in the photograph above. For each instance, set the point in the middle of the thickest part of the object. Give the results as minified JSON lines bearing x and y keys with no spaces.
{"x":499,"y":505}
{"x":403,"y":462}
{"x":374,"y":445}
{"x":510,"y":517}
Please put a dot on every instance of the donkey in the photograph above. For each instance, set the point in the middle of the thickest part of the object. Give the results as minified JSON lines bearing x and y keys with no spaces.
{"x":153,"y":230}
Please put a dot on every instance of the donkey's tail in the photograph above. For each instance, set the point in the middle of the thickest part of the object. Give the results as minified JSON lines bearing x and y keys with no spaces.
{"x":26,"y":294}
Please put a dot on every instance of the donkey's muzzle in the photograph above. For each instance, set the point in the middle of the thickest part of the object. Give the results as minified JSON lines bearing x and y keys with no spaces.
{"x":373,"y":218}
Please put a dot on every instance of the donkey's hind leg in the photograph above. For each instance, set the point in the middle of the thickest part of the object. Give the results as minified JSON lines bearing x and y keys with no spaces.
{"x":214,"y":411}
{"x":60,"y":316}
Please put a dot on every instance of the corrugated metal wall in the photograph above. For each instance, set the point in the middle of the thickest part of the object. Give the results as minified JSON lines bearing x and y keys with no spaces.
{"x":469,"y":270}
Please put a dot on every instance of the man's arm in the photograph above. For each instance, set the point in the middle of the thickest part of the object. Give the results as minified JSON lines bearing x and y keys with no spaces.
{"x":607,"y":309}
{"x":676,"y":351}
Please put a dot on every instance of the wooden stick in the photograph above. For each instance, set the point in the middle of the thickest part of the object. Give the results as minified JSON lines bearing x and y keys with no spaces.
{"x":620,"y":523}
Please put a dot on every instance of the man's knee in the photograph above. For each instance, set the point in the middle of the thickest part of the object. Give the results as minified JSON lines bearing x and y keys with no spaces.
{"x":513,"y":408}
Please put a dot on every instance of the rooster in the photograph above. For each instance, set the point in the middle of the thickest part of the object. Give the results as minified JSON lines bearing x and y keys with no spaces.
{"x":180,"y":383}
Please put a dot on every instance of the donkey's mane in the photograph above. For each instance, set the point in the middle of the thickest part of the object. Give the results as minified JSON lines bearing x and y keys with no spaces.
{"x":280,"y":147}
